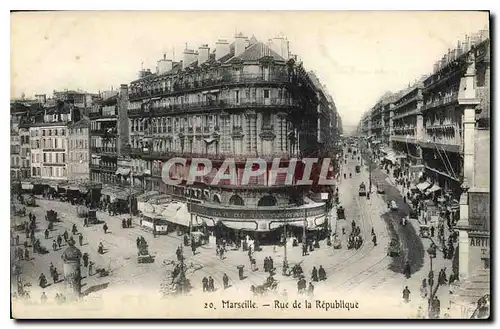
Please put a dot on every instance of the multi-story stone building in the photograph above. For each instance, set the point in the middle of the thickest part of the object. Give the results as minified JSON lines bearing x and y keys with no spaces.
{"x":108,"y":134}
{"x":18,"y":111}
{"x":442,"y":125}
{"x":78,"y":151}
{"x":248,"y":99}
{"x":49,"y":141}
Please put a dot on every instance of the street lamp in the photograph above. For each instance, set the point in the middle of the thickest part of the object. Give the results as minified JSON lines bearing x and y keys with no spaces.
{"x":432,"y":254}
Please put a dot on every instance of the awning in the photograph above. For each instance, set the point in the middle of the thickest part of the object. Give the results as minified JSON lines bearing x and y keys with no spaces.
{"x":433,"y":188}
{"x":391,"y":158}
{"x":177,"y":213}
{"x":123,"y":171}
{"x":423,"y":186}
{"x":324,"y":196}
{"x":209,"y":140}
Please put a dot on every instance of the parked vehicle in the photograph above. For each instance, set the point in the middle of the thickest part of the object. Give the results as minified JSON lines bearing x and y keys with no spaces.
{"x":358,"y":169}
{"x":362,"y":189}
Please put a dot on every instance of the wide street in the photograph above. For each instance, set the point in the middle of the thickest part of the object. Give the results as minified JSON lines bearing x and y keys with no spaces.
{"x":351,"y":273}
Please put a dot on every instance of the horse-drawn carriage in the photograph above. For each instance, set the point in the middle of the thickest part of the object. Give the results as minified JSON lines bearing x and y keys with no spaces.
{"x":271,"y":284}
{"x":51,"y":216}
{"x":29,"y":200}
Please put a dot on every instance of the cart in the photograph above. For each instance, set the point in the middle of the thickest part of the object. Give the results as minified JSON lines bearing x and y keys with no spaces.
{"x":394,"y":205}
{"x":394,"y":248}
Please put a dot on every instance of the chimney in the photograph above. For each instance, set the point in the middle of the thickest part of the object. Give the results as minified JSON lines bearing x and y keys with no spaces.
{"x":203,"y":53}
{"x":164,"y":65}
{"x":221,"y":48}
{"x":274,"y":47}
{"x":239,"y":44}
{"x":459,"y":49}
{"x":189,"y":58}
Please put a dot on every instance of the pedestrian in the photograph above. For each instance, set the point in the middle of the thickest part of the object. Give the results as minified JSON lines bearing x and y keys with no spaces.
{"x":432,"y":231}
{"x":304,"y":249}
{"x":314,"y":275}
{"x":65,"y":236}
{"x":100,"y":248}
{"x":321,"y":273}
{"x":105,"y":228}
{"x":74,"y":230}
{"x":310,"y":289}
{"x":406,"y":294}
{"x":85,"y":258}
{"x":204,"y":282}
{"x":193,"y":249}
{"x":211,"y":286}
{"x":271,"y":264}
{"x":436,"y":305}
{"x":124,"y":223}
{"x":225,"y":281}
{"x":42,"y":281}
{"x":129,"y":222}
{"x":17,"y":239}
{"x":46,"y":234}
{"x":43,"y":298}
{"x":80,"y":239}
{"x":91,"y":268}
{"x":85,"y":222}
{"x":423,"y":289}
{"x":55,"y":276}
{"x":26,"y":254}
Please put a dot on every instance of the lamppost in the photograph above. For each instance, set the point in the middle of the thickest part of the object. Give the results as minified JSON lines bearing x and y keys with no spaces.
{"x":432,"y":254}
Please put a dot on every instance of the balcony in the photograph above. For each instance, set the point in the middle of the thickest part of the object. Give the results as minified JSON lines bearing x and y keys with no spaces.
{"x":104,"y":132}
{"x":220,"y":104}
{"x":102,"y":114}
{"x":111,"y":169}
{"x":453,"y":98}
{"x":104,"y":150}
{"x":224,"y":80}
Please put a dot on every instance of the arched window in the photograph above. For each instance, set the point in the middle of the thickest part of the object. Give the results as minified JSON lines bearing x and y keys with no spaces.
{"x":216,"y":199}
{"x":267,"y":201}
{"x":236,"y":200}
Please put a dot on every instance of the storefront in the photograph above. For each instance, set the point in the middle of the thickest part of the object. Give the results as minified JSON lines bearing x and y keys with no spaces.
{"x":263,"y":219}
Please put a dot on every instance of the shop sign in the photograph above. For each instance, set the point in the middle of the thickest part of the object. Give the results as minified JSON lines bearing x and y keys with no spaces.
{"x":482,"y":242}
{"x":479,"y":211}
{"x":296,"y":213}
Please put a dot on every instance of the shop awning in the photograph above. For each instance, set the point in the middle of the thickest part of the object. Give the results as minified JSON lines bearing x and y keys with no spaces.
{"x":209,"y":140}
{"x":177,"y":213}
{"x":433,"y":188}
{"x":423,"y":186}
{"x":391,"y":158}
{"x":123,"y":171}
{"x":146,"y":196}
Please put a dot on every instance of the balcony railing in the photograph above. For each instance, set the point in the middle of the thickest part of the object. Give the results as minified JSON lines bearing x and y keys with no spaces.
{"x":103,"y":167}
{"x":110,"y":150}
{"x":224,"y":79}
{"x":104,"y":132}
{"x":441,"y":101}
{"x":102,"y":114}
{"x":220,"y":104}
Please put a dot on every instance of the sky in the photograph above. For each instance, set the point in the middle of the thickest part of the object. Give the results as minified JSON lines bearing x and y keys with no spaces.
{"x":357,"y":55}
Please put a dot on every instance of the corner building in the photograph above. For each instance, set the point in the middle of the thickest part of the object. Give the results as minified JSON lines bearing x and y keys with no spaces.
{"x":247,"y":99}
